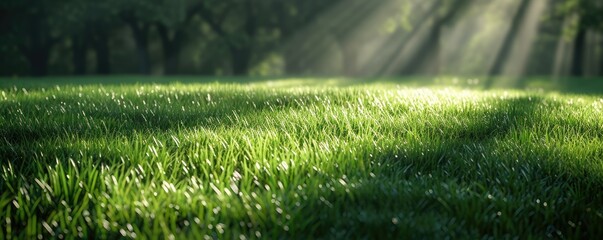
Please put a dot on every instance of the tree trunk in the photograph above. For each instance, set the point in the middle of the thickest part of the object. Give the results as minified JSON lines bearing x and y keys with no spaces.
{"x":38,"y":60}
{"x":101,"y":47}
{"x":241,"y":52}
{"x":171,"y":49}
{"x":578,"y":57}
{"x":601,"y":58}
{"x":171,"y":55}
{"x":141,"y":38}
{"x":144,"y":64}
{"x":79,"y":48}
{"x":241,"y":59}
{"x":37,"y":52}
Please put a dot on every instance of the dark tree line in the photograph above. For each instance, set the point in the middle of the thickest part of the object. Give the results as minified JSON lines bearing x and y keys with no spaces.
{"x":232,"y":36}
{"x":246,"y":29}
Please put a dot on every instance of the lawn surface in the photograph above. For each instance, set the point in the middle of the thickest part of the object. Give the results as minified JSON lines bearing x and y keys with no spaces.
{"x":295,"y":158}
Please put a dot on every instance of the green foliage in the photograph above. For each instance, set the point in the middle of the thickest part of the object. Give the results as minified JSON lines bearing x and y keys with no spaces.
{"x":237,"y":36}
{"x":585,"y":14}
{"x":401,"y":20}
{"x":292,"y":159}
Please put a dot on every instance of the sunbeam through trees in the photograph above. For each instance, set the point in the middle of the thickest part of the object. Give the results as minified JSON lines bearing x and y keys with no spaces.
{"x":286,"y":37}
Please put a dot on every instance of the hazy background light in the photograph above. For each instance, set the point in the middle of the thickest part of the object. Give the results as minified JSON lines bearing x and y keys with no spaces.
{"x":387,"y":39}
{"x":521,"y":48}
{"x":352,"y":38}
{"x":563,"y":50}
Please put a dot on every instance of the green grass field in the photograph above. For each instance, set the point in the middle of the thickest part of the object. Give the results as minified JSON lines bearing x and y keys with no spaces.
{"x":297,"y":159}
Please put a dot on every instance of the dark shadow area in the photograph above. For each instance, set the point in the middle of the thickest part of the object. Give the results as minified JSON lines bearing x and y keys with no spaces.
{"x":466,"y":159}
{"x":591,"y":86}
{"x":453,"y":140}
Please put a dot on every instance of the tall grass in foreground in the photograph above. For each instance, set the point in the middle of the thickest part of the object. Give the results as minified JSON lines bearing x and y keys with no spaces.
{"x":251,"y":161}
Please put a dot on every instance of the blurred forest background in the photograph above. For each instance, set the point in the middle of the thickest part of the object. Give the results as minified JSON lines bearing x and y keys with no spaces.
{"x":302,"y":37}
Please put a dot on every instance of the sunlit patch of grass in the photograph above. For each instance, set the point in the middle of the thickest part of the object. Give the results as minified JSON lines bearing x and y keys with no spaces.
{"x":278,"y":159}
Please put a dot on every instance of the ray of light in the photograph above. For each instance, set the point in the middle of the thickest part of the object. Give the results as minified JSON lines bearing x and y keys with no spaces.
{"x":504,"y":50}
{"x":472,"y":42}
{"x":523,"y":42}
{"x":346,"y":39}
{"x":562,"y":53}
{"x":314,"y":45}
{"x":512,"y":56}
{"x":411,"y":44}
